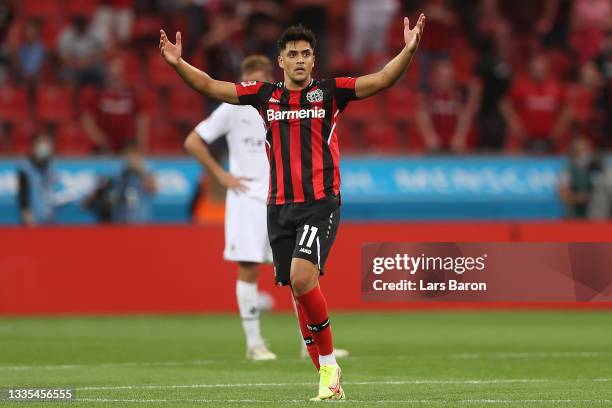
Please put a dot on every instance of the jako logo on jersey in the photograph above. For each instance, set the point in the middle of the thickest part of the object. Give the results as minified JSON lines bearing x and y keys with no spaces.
{"x":248,"y":83}
{"x":315,"y":113}
{"x":306,"y":251}
{"x":274,"y":100}
{"x":315,"y":96}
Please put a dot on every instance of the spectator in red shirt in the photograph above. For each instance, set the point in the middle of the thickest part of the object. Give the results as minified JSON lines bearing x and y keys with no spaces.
{"x":112,"y":116}
{"x":535,"y":109}
{"x":585,"y":100}
{"x":445,"y":114}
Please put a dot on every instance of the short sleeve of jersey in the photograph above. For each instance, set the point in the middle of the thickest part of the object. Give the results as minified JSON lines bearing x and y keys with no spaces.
{"x":216,"y":125}
{"x":249,"y":92}
{"x":344,"y":91}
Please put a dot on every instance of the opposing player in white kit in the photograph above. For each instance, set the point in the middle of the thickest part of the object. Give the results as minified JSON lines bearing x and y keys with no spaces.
{"x":246,"y":232}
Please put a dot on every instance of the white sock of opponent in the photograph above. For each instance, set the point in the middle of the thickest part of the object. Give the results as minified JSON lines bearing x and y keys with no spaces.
{"x":246,"y":294}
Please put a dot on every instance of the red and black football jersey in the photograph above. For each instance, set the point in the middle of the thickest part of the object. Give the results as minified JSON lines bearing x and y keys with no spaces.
{"x":301,"y":135}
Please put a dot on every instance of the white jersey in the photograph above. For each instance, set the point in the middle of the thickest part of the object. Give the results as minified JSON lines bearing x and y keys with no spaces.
{"x":246,"y":138}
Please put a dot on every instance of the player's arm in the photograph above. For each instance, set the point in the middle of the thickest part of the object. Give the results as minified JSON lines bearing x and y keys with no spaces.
{"x":93,"y":132}
{"x":465,"y":119}
{"x":563,"y":122}
{"x":425,"y":126}
{"x":196,"y":79}
{"x":512,"y":118}
{"x":368,"y":85}
{"x":219,"y":123}
{"x":142,"y":130}
{"x":198,"y":149}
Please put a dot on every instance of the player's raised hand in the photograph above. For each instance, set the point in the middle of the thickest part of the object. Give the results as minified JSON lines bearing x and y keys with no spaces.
{"x":412,"y":37}
{"x":171,"y":52}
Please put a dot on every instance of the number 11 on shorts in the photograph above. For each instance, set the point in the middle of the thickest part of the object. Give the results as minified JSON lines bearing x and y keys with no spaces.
{"x":313,"y":234}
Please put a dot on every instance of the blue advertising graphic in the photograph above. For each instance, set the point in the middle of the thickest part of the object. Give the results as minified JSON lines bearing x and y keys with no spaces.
{"x":176,"y":182}
{"x":451,"y":188}
{"x":409,"y":188}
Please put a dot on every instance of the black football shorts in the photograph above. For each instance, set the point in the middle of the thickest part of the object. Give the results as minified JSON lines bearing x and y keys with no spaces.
{"x":302,"y":230}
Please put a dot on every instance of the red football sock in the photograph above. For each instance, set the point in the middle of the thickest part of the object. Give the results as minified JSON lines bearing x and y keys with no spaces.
{"x":311,"y":345}
{"x":314,"y":307}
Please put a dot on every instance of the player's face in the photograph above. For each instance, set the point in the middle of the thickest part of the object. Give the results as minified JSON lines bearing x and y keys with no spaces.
{"x":297,"y":60}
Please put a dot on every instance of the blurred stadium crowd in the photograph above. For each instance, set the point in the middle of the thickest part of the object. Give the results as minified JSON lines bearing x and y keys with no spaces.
{"x":490,"y":75}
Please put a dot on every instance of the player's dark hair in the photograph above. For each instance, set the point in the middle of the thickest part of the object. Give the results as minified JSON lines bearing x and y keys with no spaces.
{"x":296,"y":33}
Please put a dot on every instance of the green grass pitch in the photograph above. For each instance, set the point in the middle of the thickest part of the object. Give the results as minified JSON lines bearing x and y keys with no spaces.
{"x":413,"y":359}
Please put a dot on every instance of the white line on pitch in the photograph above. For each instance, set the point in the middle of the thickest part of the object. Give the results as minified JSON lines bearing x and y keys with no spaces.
{"x":389,"y":382}
{"x":466,"y":356}
{"x":560,"y":354}
{"x":413,"y":401}
{"x":102,"y":365}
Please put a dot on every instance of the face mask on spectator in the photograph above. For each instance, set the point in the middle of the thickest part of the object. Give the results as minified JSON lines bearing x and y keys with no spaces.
{"x":43,"y":151}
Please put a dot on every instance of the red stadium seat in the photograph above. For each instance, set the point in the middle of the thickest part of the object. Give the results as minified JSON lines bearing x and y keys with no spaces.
{"x":401,"y":104}
{"x":132,"y":69}
{"x":71,"y":139}
{"x":382,"y":136}
{"x":363,"y":110}
{"x":464,"y":60}
{"x":14,"y":36}
{"x":178,"y":22}
{"x":164,"y":138}
{"x":160,"y":73}
{"x":21,"y":136}
{"x":186,"y":106}
{"x":347,"y":137}
{"x":150,"y":101}
{"x":146,"y":27}
{"x":51,"y":29}
{"x":86,"y":94}
{"x":54,"y":104}
{"x":341,"y":62}
{"x":199,"y":61}
{"x":41,"y":8}
{"x":81,"y":7}
{"x":415,"y":142}
{"x":13,"y":104}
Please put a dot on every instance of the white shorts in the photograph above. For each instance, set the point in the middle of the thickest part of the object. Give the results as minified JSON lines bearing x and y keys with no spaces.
{"x":246,"y":230}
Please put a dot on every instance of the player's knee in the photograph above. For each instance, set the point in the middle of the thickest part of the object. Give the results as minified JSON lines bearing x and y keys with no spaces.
{"x":303,"y":279}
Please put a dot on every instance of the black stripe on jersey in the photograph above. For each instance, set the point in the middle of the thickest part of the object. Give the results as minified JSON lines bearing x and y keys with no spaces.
{"x":328,"y":162}
{"x":271,"y":160}
{"x":306,"y":150}
{"x":285,"y":139}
